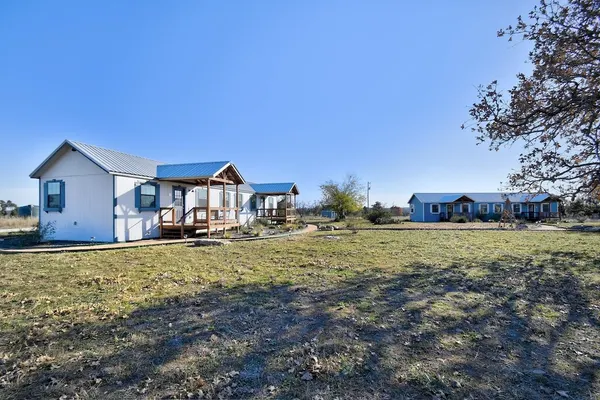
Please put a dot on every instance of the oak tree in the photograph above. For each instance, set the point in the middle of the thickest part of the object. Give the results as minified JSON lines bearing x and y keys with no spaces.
{"x":553,"y":112}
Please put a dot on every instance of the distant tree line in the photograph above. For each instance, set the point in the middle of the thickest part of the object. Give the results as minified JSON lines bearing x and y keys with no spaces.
{"x":8,"y":208}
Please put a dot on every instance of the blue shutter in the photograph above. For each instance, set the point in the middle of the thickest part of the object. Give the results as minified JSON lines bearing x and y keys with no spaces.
{"x":45,"y":194}
{"x":62,"y":195}
{"x":138,"y":197}
{"x":157,"y":202}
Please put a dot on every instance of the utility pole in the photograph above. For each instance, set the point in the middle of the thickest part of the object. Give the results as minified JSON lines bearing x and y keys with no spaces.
{"x":368,"y":190}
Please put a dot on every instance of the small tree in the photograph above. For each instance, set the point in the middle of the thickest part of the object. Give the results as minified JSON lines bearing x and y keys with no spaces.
{"x":343,"y":198}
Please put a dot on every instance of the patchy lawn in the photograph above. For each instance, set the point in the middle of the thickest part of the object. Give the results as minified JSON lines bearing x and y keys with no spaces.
{"x":372,"y":315}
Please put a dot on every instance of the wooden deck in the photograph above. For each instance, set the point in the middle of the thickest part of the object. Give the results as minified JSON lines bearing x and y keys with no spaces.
{"x":285,"y":215}
{"x":195,"y":219}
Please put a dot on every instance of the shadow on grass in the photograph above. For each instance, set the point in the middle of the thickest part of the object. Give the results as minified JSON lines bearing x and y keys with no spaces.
{"x":502,"y":330}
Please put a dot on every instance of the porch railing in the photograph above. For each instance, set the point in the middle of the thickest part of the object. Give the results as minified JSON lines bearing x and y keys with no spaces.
{"x":277,"y":213}
{"x":536,"y":215}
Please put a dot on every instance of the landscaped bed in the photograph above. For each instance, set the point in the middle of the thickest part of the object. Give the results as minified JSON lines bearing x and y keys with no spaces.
{"x":376,"y":314}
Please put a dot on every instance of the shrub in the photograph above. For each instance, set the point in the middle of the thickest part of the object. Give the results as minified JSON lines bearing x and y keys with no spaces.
{"x":459,"y":219}
{"x":43,"y":233}
{"x":384,"y":220}
{"x":477,"y":220}
{"x":379,"y":214}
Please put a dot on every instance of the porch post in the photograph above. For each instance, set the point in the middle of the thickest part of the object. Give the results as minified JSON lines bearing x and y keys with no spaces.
{"x":286,"y":206}
{"x":208,"y":207}
{"x":237,"y":206}
{"x":224,"y":207}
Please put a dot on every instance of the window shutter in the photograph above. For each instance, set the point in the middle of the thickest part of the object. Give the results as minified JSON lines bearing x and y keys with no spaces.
{"x":45,"y":194}
{"x":62,"y":195}
{"x":138,"y":196}
{"x":157,"y":202}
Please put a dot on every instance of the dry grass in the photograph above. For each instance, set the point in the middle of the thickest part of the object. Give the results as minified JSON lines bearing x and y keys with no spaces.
{"x":372,"y":315}
{"x":17,"y":222}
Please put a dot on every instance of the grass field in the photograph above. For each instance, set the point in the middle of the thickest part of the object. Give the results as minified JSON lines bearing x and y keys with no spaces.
{"x":17,"y":222}
{"x":372,"y":315}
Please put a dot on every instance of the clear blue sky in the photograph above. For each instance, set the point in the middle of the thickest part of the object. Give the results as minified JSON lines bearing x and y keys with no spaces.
{"x":301,"y":91}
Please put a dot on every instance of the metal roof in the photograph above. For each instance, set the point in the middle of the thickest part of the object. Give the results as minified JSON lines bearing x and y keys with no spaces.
{"x":111,"y":161}
{"x":192,"y":170}
{"x":244,"y":187}
{"x":498,"y":197}
{"x":286,"y":187}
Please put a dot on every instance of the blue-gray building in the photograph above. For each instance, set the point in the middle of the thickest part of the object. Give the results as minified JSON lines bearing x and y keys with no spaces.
{"x":436,"y":207}
{"x":329,"y":214}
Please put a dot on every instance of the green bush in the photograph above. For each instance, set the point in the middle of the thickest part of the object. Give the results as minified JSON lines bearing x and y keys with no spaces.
{"x":459,"y":219}
{"x":384,"y":220}
{"x":477,"y":220}
{"x":381,"y":215}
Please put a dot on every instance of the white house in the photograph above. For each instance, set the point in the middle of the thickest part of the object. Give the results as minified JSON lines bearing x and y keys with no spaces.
{"x":94,"y":194}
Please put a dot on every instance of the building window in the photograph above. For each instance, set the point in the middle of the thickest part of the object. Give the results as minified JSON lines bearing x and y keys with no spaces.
{"x":498,"y":208}
{"x":54,"y":196}
{"x":271,"y":202}
{"x":253,"y":202}
{"x":148,"y":199}
{"x":466,"y":208}
{"x":545,"y":207}
{"x":228,"y":200}
{"x":147,"y":196}
{"x":240,"y":201}
{"x":516,"y":208}
{"x":412,"y":208}
{"x":201,"y":197}
{"x":484,"y":208}
{"x":435,"y":208}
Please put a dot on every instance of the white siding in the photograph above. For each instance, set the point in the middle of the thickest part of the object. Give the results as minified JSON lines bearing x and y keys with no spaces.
{"x":131,"y":224}
{"x":87,"y":215}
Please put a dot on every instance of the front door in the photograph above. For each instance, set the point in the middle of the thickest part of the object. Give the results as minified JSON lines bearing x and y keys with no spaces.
{"x":449,"y":208}
{"x":531,"y":209}
{"x":178,"y":203}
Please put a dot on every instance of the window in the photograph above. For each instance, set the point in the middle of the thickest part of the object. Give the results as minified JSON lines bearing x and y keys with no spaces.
{"x":54,"y":195}
{"x":545,"y":207}
{"x":201,"y":197}
{"x":435,"y":208}
{"x":147,"y":197}
{"x":516,"y":208}
{"x":466,"y":208}
{"x":498,"y":208}
{"x":253,"y":202}
{"x":484,"y":208}
{"x":228,"y":199}
{"x":271,"y":202}
{"x":412,"y":208}
{"x":240,"y":201}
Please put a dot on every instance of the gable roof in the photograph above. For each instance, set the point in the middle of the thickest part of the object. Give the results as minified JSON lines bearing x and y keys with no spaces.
{"x":111,"y":161}
{"x":275,"y":188}
{"x":201,"y":170}
{"x":497,"y":197}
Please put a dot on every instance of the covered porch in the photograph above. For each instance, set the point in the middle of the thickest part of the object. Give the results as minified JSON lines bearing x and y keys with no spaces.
{"x":215,"y":209}
{"x":463,"y":206}
{"x":276,"y":202}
